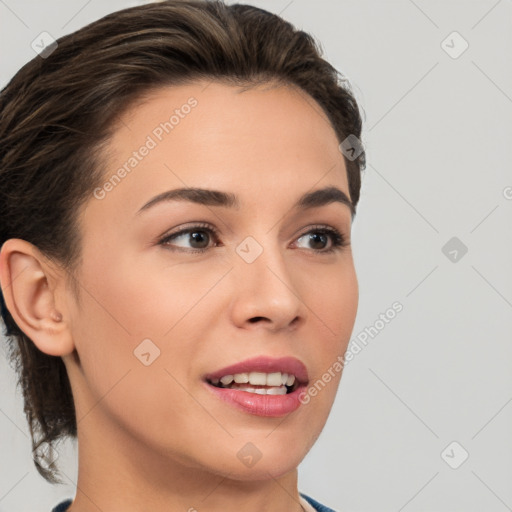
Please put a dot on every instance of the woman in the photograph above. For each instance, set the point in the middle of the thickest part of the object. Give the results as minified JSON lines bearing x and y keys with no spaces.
{"x":178,"y":183}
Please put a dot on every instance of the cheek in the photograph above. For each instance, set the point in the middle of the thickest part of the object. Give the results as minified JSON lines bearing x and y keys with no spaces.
{"x":147,"y":296}
{"x":168,"y":291}
{"x":333,"y":306}
{"x":146,"y":400}
{"x":139,"y":308}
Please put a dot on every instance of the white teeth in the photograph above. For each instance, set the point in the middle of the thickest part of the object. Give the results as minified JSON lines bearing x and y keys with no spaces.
{"x":227,"y":379}
{"x":258,"y":378}
{"x":281,"y":390}
{"x":274,"y":379}
{"x":269,"y":379}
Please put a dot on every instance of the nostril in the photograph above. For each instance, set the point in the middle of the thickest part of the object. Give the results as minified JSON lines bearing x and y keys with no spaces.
{"x":256,"y":318}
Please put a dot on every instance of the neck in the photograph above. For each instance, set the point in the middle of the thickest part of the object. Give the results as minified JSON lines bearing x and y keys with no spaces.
{"x":118,"y":473}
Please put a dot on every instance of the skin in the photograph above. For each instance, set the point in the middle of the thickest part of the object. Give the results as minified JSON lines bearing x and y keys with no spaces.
{"x":153,"y":437}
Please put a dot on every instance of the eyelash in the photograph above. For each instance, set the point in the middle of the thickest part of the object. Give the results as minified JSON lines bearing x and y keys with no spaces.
{"x":338,"y":239}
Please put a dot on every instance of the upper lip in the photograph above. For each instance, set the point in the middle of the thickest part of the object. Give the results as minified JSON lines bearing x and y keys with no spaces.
{"x":289,"y":365}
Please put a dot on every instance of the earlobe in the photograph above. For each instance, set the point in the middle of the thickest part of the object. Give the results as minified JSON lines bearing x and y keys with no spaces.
{"x":28,"y":286}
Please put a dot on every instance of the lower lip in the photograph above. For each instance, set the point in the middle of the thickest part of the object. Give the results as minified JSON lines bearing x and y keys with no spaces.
{"x":260,"y":405}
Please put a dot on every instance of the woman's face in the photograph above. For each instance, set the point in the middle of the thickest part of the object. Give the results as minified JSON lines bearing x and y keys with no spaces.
{"x":162,"y":317}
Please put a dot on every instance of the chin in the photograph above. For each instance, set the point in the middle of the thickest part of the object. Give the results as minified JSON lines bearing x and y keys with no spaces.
{"x":256,"y":460}
{"x":273,"y":468}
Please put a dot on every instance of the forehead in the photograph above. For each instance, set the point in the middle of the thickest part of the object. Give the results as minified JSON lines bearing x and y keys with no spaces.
{"x":208,"y":134}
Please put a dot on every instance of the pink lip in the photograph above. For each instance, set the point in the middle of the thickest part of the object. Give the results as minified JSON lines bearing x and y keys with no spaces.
{"x":262,"y":405}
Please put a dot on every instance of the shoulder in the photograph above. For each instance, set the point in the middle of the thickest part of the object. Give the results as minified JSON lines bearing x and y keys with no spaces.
{"x":62,"y":506}
{"x":315,"y":504}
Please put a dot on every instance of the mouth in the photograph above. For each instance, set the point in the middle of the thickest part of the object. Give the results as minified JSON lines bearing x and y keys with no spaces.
{"x":261,"y":386}
{"x":260,"y":383}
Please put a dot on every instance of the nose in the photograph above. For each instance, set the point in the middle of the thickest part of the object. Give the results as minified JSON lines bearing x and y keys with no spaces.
{"x":265,"y":291}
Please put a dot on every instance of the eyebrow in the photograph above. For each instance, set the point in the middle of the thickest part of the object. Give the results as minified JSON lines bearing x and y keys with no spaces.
{"x":208,"y":197}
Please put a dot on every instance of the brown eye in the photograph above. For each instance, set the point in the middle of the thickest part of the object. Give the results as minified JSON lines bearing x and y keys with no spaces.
{"x":318,"y":240}
{"x":196,"y":238}
{"x":319,"y":237}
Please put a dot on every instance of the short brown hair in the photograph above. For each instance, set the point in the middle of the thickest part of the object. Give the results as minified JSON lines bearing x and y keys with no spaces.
{"x":57,"y":113}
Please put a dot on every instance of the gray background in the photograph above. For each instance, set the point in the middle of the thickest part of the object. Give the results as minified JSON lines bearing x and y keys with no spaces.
{"x":438,"y":133}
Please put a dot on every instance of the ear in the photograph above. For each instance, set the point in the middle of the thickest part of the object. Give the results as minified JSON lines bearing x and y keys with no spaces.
{"x":29,"y":286}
